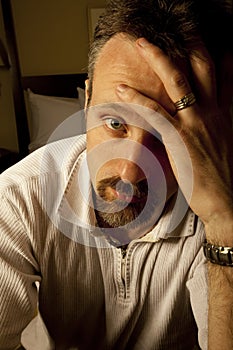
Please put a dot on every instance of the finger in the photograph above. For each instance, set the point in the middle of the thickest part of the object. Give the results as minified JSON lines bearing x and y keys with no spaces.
{"x":173,"y":79}
{"x":203,"y":75}
{"x":166,"y":127}
{"x":150,"y":113}
{"x":130,"y":95}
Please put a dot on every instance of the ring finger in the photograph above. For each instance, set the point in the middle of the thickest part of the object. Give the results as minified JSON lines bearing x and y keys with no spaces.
{"x":174,"y":80}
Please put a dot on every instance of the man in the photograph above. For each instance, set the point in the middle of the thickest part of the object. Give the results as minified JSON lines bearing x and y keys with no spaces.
{"x":103,"y":225}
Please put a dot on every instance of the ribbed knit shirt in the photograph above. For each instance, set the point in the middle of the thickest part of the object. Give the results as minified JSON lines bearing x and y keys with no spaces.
{"x":90,"y":295}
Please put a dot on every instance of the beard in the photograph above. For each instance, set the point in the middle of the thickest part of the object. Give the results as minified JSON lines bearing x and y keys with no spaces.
{"x":128,"y":212}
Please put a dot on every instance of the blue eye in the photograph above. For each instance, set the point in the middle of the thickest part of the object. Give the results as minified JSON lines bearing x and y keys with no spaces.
{"x":114,"y":124}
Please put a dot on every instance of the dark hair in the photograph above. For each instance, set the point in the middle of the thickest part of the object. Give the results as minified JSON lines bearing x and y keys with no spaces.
{"x":173,"y":25}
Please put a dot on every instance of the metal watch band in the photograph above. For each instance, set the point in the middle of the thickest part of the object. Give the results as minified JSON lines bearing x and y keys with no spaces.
{"x":218,"y":255}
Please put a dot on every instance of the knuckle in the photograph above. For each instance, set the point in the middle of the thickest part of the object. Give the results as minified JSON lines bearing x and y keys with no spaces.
{"x":132,"y":94}
{"x":152,"y":105}
{"x":178,"y":80}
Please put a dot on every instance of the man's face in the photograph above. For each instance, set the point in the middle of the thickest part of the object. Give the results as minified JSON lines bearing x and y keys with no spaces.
{"x":122,"y":150}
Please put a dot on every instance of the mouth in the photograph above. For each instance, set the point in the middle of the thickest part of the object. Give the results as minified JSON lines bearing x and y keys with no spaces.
{"x":120,"y":204}
{"x":125,"y":197}
{"x":118,"y":191}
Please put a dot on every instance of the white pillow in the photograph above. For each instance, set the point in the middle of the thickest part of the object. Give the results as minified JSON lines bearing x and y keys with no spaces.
{"x":46,"y":113}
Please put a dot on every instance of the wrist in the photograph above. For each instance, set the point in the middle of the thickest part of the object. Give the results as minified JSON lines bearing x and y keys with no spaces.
{"x":219,"y":229}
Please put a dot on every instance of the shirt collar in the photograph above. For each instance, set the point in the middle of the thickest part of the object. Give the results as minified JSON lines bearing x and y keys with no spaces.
{"x":165,"y":228}
{"x":76,"y":205}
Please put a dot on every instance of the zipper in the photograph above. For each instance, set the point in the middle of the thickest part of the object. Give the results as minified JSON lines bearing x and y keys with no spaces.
{"x":123,"y":255}
{"x":123,"y":263}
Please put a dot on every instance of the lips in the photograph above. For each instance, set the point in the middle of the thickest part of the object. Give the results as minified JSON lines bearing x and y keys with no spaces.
{"x":115,"y":189}
{"x":128,"y":198}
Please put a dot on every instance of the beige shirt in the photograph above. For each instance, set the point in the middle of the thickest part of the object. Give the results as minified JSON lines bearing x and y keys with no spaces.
{"x":90,"y":296}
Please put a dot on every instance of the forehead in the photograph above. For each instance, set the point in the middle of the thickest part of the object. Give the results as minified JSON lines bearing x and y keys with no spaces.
{"x":119,"y":62}
{"x":119,"y":55}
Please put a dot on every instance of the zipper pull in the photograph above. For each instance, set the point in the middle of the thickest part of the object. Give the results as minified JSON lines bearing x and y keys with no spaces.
{"x":123,"y":255}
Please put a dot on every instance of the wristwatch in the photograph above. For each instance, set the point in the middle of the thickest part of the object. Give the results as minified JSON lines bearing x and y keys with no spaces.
{"x":218,"y":255}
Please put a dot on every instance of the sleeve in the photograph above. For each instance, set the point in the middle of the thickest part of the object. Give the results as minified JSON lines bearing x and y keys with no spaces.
{"x":18,"y":273}
{"x":198,"y":289}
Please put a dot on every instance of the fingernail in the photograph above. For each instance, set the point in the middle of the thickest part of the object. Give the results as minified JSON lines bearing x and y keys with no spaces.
{"x":121,"y":88}
{"x":142,"y":42}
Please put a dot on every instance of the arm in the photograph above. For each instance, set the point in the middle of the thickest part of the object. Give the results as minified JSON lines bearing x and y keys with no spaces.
{"x":204,"y":130}
{"x":220,"y":290}
{"x":220,"y":307}
{"x":18,"y":293}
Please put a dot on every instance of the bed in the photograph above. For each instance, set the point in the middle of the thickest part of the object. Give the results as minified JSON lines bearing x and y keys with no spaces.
{"x":50,"y":101}
{"x":41,"y":103}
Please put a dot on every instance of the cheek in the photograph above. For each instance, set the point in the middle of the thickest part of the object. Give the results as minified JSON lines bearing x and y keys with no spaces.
{"x":161,"y":155}
{"x":164,"y":161}
{"x":94,"y":138}
{"x":97,"y":159}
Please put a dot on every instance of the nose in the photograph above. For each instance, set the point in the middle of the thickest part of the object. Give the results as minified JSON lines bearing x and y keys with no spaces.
{"x":130,"y":171}
{"x":134,"y":167}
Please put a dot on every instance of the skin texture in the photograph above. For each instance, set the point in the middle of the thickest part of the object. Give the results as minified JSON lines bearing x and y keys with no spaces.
{"x":140,"y":73}
{"x":114,"y":68}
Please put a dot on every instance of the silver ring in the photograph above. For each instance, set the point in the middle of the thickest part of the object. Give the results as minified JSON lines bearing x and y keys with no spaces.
{"x":185,"y":101}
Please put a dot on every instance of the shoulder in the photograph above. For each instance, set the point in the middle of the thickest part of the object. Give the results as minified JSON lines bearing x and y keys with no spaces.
{"x":44,"y":164}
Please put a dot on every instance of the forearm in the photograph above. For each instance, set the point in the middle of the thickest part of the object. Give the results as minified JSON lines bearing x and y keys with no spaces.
{"x":220,"y":307}
{"x":220,"y":291}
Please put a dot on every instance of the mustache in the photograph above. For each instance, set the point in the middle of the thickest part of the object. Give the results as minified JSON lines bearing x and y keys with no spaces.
{"x":139,"y":190}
